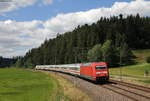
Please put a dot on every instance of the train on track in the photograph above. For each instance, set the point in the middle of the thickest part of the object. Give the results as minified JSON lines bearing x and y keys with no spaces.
{"x":95,"y":71}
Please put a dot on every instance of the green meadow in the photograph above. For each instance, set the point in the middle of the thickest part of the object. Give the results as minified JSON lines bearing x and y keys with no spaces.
{"x":24,"y":85}
{"x":134,"y":72}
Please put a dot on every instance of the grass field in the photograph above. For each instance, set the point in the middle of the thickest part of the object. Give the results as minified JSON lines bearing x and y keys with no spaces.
{"x":135,"y":72}
{"x":27,"y":85}
{"x":23,"y":85}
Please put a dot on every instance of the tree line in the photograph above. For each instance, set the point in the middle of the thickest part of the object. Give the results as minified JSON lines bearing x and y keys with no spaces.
{"x":7,"y":62}
{"x":115,"y":36}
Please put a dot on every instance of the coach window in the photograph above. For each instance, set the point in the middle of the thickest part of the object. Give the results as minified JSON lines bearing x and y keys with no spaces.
{"x":100,"y":67}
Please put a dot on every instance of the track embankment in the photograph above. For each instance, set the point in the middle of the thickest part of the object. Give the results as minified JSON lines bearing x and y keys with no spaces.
{"x":111,"y":91}
{"x":96,"y":91}
{"x":69,"y":91}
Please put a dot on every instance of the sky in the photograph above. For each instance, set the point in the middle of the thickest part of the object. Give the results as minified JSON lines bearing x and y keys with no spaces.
{"x":25,"y":24}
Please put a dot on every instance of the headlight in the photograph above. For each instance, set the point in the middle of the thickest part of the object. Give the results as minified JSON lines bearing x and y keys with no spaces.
{"x":98,"y":72}
{"x":101,"y":72}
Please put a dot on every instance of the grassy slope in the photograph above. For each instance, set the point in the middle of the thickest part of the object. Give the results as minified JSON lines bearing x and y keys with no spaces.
{"x":141,"y":55}
{"x":135,"y":72}
{"x":22,"y":85}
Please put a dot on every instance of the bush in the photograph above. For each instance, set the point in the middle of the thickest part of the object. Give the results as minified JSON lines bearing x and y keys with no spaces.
{"x":95,"y":54}
{"x":148,"y":59}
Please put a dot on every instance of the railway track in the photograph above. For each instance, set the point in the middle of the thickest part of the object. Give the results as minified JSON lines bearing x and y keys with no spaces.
{"x":128,"y":90}
{"x":131,"y":91}
{"x":142,"y":88}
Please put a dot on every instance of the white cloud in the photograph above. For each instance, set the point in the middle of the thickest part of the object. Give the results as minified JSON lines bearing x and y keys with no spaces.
{"x":17,"y":37}
{"x":25,"y":35}
{"x":11,"y":5}
{"x":66,"y":22}
{"x":14,"y":4}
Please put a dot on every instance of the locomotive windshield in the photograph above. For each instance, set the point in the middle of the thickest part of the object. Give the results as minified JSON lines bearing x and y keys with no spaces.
{"x":101,"y":67}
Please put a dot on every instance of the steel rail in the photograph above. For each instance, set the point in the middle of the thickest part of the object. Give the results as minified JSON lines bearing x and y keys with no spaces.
{"x":133,"y":86}
{"x":142,"y":88}
{"x":132,"y":98}
{"x":131,"y":92}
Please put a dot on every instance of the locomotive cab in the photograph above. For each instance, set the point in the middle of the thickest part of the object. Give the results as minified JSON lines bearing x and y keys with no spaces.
{"x":97,"y":71}
{"x":101,"y":72}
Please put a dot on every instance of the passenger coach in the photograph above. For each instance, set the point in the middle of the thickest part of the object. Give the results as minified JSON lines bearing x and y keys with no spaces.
{"x":95,"y":71}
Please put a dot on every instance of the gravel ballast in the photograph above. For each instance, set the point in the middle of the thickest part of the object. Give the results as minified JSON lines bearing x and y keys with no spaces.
{"x":95,"y":91}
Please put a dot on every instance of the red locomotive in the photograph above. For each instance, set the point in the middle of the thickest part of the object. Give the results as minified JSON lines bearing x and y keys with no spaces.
{"x":97,"y":71}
